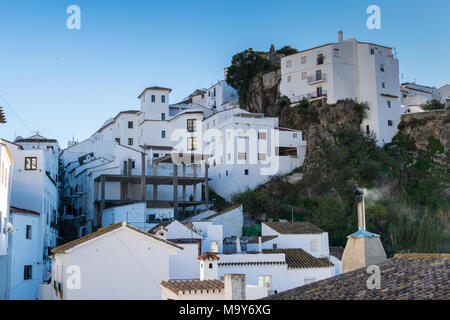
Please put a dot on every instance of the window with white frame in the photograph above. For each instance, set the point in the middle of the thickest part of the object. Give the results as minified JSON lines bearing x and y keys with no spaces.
{"x":382,"y":67}
{"x":303,"y":59}
{"x":304,"y":75}
{"x":192,"y":143}
{"x":288,"y":63}
{"x":289,"y":79}
{"x":242,"y":155}
{"x":262,"y":135}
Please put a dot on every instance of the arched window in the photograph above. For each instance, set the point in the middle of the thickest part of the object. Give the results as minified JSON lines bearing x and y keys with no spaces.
{"x":210,"y":265}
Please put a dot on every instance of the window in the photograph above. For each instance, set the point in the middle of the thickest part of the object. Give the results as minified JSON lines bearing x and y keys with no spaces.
{"x":130,"y":124}
{"x":156,"y":155}
{"x":133,"y":164}
{"x":27,"y":272}
{"x":367,"y":129}
{"x":130,"y":141}
{"x":192,"y":143}
{"x":214,"y":248}
{"x":382,"y":67}
{"x":226,"y":173}
{"x":153,"y":98}
{"x":320,"y":58}
{"x":295,"y":135}
{"x":214,"y":94}
{"x":221,"y":159}
{"x":28,"y":232}
{"x":336,"y":53}
{"x":246,"y":172}
{"x":228,"y":156}
{"x":389,"y":104}
{"x":242,"y":156}
{"x":30,"y":163}
{"x":303,"y":59}
{"x":314,"y":246}
{"x":383,"y":85}
{"x":261,"y":156}
{"x":210,"y":265}
{"x":372,"y":51}
{"x":262,"y":135}
{"x":319,"y":91}
{"x":304,"y":75}
{"x":118,"y":140}
{"x":289,"y":79}
{"x":390,"y":123}
{"x":191,"y":125}
{"x":163,"y":99}
{"x":274,"y":246}
{"x":288,"y":63}
{"x":163,"y":116}
{"x":163,"y":134}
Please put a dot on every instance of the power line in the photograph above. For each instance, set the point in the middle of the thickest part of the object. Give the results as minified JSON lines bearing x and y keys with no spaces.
{"x":12,"y":109}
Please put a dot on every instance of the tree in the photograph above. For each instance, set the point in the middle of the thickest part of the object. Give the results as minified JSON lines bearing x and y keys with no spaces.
{"x":433,"y":104}
{"x":287,"y":50}
{"x":428,"y":237}
{"x":245,"y":66}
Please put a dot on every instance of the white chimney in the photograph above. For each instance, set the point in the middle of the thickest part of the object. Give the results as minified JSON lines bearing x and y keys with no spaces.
{"x":259,"y":245}
{"x":361,"y":212}
{"x":341,"y":36}
{"x":363,"y":248}
{"x":235,"y":287}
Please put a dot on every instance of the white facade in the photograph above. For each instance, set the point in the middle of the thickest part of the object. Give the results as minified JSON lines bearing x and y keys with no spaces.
{"x":6,"y":165}
{"x":157,"y":131}
{"x":34,"y":189}
{"x":221,"y":96}
{"x":140,"y":263}
{"x":415,"y":95}
{"x":365,"y":72}
{"x":22,"y":265}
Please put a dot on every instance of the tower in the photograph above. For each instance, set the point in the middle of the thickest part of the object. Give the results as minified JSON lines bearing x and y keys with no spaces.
{"x":208,"y":266}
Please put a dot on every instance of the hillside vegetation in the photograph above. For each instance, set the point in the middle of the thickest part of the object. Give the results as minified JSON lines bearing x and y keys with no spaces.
{"x":407,"y":181}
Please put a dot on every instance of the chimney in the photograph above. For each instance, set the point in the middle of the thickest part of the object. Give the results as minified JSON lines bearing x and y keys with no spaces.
{"x":340,"y":36}
{"x":234,"y":287}
{"x":259,"y":245}
{"x":363,"y":248}
{"x":361,"y":211}
{"x":208,"y":266}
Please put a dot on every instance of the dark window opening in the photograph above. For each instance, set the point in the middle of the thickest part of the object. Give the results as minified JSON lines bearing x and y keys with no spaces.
{"x":27,"y":272}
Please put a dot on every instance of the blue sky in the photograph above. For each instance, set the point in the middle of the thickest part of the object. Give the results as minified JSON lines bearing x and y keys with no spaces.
{"x":66,"y":83}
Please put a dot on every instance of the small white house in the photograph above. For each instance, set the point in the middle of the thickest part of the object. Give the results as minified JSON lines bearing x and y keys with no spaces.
{"x":208,"y":287}
{"x":115,"y":262}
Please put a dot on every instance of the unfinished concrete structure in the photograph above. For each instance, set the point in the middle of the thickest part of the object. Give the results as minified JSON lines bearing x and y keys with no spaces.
{"x":135,"y":188}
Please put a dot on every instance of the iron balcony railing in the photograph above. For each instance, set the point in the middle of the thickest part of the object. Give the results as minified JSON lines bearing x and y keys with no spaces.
{"x":317,"y":78}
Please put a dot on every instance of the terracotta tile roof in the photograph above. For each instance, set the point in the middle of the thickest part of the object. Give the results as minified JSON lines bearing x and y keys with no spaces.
{"x":404,"y":277}
{"x":2,"y":116}
{"x":160,"y":225}
{"x":208,"y":256}
{"x":72,"y":244}
{"x":294,"y":227}
{"x":194,"y":286}
{"x":300,"y":259}
{"x":222,"y":212}
{"x":263,"y":239}
{"x":15,"y":209}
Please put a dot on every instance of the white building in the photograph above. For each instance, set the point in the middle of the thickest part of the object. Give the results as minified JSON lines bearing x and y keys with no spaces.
{"x":141,"y":142}
{"x":6,"y":165}
{"x":221,"y":96}
{"x":118,"y":262}
{"x":415,"y":95}
{"x":365,"y":72}
{"x":208,"y":287}
{"x":34,"y":190}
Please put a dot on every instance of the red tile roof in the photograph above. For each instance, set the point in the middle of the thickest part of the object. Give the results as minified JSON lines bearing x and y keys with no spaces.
{"x":208,"y":256}
{"x":194,"y":286}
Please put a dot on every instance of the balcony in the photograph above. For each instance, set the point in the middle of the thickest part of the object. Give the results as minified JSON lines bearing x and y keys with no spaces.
{"x":317,"y":78}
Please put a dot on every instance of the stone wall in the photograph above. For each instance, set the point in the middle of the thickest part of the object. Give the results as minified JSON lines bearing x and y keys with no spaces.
{"x":423,"y":125}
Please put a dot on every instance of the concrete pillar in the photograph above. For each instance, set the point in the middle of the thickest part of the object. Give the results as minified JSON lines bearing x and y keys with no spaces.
{"x":143,"y":178}
{"x":184,"y":186}
{"x":175,"y":190}
{"x":235,"y":287}
{"x":102,"y":196}
{"x":206,"y":185}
